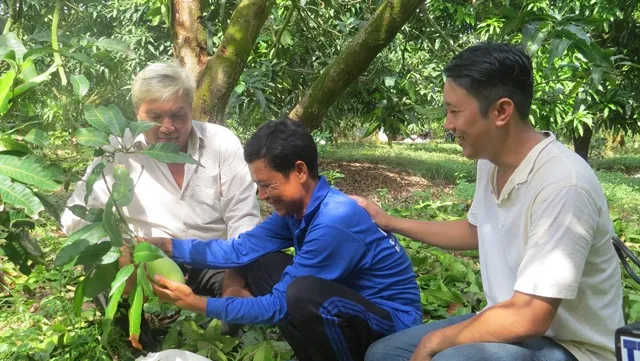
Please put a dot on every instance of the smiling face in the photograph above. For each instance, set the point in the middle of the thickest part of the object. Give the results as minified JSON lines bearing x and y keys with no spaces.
{"x":173,"y":118}
{"x":285,"y":193}
{"x":474,"y":132}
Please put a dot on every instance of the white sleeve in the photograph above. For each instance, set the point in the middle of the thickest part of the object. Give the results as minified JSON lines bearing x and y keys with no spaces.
{"x":562,"y":226}
{"x":71,"y":223}
{"x":238,"y":201}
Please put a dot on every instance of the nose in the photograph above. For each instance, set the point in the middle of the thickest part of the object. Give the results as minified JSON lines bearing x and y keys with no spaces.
{"x":262,"y":194}
{"x":167,"y":126}
{"x":448,"y":123}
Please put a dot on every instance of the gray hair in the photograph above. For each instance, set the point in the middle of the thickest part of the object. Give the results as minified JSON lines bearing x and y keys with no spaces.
{"x":162,"y":81}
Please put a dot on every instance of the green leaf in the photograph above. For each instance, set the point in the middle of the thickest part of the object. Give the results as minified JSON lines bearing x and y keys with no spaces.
{"x":80,"y":84}
{"x":28,"y":171}
{"x":143,"y":280}
{"x":140,"y":127}
{"x":34,"y":81}
{"x":49,"y":207}
{"x":29,"y":244}
{"x":558,"y":48}
{"x":264,"y":353}
{"x":121,"y":277}
{"x":122,"y":189}
{"x":71,"y":251}
{"x":102,"y":118}
{"x":146,"y":252}
{"x":135,"y":313}
{"x":28,"y":70}
{"x":111,"y":256}
{"x":37,"y":137}
{"x":6,"y":82}
{"x":20,"y":196}
{"x":7,"y":144}
{"x":443,"y":297}
{"x":109,"y":222}
{"x":168,"y":153}
{"x":111,"y":311}
{"x":114,"y":45}
{"x":100,"y":278}
{"x":93,"y":253}
{"x":578,"y":32}
{"x":96,"y":173}
{"x":91,"y":137}
{"x":9,"y":42}
{"x":78,"y":298}
{"x":80,"y":57}
{"x":93,"y":233}
{"x":118,"y":118}
{"x":90,"y":215}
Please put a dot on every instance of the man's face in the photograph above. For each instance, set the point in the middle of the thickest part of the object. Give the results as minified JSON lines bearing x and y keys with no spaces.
{"x":173,"y":118}
{"x":284,"y":193}
{"x":474,"y":133}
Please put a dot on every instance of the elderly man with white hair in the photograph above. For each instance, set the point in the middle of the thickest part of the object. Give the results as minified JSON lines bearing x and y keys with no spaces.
{"x":215,"y":198}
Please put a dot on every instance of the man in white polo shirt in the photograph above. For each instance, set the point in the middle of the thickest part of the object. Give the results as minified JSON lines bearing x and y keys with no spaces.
{"x":539,"y":219}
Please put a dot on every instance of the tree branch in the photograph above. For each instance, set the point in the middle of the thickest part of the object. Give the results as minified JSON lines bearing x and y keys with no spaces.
{"x":437,"y":28}
{"x":287,"y":19}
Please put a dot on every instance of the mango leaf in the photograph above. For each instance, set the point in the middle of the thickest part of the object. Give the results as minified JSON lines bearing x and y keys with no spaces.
{"x":264,"y":353}
{"x":143,"y":281}
{"x":49,"y":207}
{"x":37,"y":137}
{"x":34,"y":81}
{"x":6,"y":82}
{"x":78,"y":298}
{"x":28,"y":171}
{"x":28,"y":70}
{"x":79,"y":56}
{"x":96,"y":173}
{"x":558,"y":48}
{"x":578,"y":32}
{"x":93,"y":233}
{"x":102,"y":119}
{"x":121,"y":277}
{"x":135,"y":317}
{"x":111,"y":256}
{"x":9,"y":42}
{"x":7,"y":144}
{"x":80,"y":84}
{"x":146,"y":252}
{"x":91,"y":137}
{"x":90,"y":215}
{"x":29,"y":244}
{"x":17,"y":256}
{"x":110,"y":311}
{"x":100,"y":278}
{"x":93,"y":253}
{"x":168,"y":153}
{"x":114,"y":45}
{"x":122,"y":189}
{"x":71,"y":251}
{"x":443,"y":297}
{"x":118,"y":118}
{"x":109,"y":222}
{"x":20,"y":196}
{"x":140,"y":127}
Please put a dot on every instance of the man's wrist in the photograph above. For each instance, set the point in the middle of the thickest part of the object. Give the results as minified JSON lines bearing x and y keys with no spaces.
{"x":167,"y":246}
{"x":196,"y":304}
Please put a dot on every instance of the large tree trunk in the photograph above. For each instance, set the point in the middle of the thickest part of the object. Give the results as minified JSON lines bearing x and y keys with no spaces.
{"x":189,"y":40}
{"x":581,"y":142}
{"x":353,"y":60}
{"x":222,"y":71}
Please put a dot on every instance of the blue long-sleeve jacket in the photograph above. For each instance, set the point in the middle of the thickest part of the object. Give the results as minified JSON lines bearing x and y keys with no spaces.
{"x":336,"y":240}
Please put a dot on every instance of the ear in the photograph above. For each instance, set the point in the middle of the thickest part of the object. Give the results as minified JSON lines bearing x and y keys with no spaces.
{"x":502,"y":111}
{"x":301,"y":172}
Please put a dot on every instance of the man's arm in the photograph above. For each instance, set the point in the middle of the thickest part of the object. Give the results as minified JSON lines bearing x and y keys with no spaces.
{"x":269,"y":236}
{"x":517,"y":319}
{"x":456,"y":235}
{"x":238,"y":201}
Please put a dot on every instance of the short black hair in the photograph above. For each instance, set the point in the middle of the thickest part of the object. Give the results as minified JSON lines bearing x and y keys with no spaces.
{"x":281,"y":143}
{"x":491,"y":71}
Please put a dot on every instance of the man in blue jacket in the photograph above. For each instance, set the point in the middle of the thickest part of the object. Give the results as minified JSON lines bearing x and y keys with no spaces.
{"x":349,"y":283}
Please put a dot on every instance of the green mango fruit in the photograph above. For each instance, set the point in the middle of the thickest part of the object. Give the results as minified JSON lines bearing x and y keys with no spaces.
{"x":166,"y":268}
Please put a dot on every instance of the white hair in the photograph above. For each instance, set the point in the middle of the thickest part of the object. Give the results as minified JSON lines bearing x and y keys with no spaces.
{"x":162,"y":81}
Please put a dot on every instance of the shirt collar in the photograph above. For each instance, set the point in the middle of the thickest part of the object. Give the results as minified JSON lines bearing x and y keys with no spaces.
{"x":523,"y":171}
{"x":318,"y":195}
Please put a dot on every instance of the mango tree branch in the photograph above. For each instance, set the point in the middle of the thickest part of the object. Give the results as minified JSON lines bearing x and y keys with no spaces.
{"x":287,"y":19}
{"x":54,"y":42}
{"x":12,"y":17}
{"x":437,"y":28}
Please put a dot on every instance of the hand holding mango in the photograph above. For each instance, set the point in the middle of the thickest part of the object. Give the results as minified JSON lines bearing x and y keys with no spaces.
{"x":177,"y":293}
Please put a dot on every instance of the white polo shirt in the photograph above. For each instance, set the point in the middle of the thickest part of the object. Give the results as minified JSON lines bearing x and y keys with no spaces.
{"x":549,"y":234}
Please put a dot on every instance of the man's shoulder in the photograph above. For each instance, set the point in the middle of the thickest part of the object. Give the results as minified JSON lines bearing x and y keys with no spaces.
{"x":338,"y":209}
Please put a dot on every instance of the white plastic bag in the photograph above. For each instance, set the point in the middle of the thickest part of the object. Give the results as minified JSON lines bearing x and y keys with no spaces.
{"x":172,"y":355}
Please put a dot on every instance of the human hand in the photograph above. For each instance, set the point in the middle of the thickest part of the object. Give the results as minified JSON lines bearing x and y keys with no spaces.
{"x":424,"y":351}
{"x":382,"y":219}
{"x":179,"y":294}
{"x":161,"y":242}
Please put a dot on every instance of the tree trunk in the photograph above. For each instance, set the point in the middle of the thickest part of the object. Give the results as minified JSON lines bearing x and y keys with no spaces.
{"x":581,"y":142}
{"x":353,"y":60}
{"x":189,"y":39}
{"x":222,"y":71}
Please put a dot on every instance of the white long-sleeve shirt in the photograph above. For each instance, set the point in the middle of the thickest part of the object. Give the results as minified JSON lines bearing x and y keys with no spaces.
{"x":217,"y":199}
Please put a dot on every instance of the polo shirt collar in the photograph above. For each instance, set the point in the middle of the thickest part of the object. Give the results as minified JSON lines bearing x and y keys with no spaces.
{"x":525,"y":168}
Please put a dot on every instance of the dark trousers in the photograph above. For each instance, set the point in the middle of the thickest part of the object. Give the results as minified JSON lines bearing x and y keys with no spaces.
{"x":327,"y":321}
